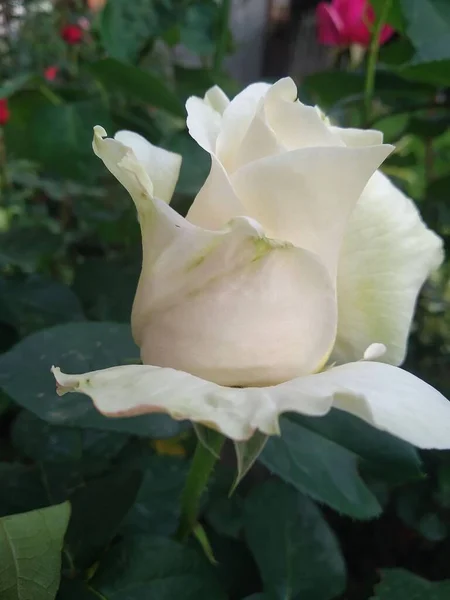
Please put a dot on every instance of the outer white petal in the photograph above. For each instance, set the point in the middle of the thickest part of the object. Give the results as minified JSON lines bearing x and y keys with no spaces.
{"x":385,"y":396}
{"x":306,"y":196}
{"x":162,"y":166}
{"x":216,"y":203}
{"x":387,"y":254}
{"x":135,"y":390}
{"x":235,"y":308}
{"x":236,"y":120}
{"x":159,"y":223}
{"x":203,"y":122}
{"x":358,"y":137}
{"x":295,"y":124}
{"x":217,"y":99}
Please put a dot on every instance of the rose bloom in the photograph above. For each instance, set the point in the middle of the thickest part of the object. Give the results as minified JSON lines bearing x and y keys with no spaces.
{"x":347,"y":22}
{"x":72,"y":34}
{"x":51,"y":73}
{"x":4,"y":111}
{"x":289,"y":286}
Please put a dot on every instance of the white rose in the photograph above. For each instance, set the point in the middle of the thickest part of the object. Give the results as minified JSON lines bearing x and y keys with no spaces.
{"x":284,"y":260}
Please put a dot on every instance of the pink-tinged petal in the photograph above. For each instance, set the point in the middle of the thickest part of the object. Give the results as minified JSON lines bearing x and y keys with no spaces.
{"x":235,"y":308}
{"x":386,"y":33}
{"x":329,"y":25}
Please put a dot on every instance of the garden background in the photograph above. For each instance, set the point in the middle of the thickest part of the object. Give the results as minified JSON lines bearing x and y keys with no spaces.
{"x":332,"y":509}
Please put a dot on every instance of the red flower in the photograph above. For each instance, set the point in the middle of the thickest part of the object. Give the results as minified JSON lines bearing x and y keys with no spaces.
{"x":51,"y":73}
{"x":4,"y":111}
{"x":347,"y":22}
{"x":72,"y":34}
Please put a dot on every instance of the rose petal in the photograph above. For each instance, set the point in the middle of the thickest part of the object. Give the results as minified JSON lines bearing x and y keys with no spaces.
{"x":386,"y":397}
{"x":162,"y":166}
{"x":306,"y":196}
{"x":136,"y":390}
{"x":387,"y":254}
{"x":235,"y":308}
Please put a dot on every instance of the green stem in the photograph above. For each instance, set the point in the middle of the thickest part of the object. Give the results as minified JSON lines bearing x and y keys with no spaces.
{"x":221,"y":46}
{"x":201,"y":468}
{"x":369,"y":87}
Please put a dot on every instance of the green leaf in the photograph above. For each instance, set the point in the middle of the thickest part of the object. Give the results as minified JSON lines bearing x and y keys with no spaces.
{"x":96,"y":285}
{"x":30,"y":553}
{"x":35,"y":302}
{"x":76,"y":348}
{"x":395,"y":16}
{"x":197,"y":31}
{"x":141,"y":85}
{"x":151,"y":567}
{"x":28,"y":247}
{"x":320,"y":468}
{"x":11,"y":86}
{"x":156,"y":509}
{"x":194,"y":168}
{"x":397,"y":584}
{"x":428,"y":27}
{"x":73,"y":589}
{"x":22,"y":489}
{"x":97,"y":513}
{"x":246,"y":454}
{"x":59,"y":137}
{"x":42,"y":442}
{"x":297,"y":553}
{"x":393,"y":459}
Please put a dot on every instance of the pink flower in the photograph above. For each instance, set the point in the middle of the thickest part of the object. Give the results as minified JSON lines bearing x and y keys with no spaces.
{"x":51,"y":73}
{"x":347,"y":22}
{"x":4,"y":111}
{"x":72,"y":34}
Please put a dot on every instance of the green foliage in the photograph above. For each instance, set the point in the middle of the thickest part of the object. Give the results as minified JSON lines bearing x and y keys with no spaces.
{"x":90,"y":506}
{"x":297,"y":554}
{"x":30,"y":553}
{"x":397,"y":584}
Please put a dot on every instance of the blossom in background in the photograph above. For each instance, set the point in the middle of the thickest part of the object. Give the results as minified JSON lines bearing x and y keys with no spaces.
{"x":96,"y":5}
{"x":289,"y":286}
{"x":4,"y":111}
{"x":51,"y":73}
{"x":72,"y":34}
{"x":84,"y":23}
{"x":347,"y":22}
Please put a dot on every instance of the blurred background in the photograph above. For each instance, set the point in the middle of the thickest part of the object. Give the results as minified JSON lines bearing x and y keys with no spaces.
{"x":69,"y":240}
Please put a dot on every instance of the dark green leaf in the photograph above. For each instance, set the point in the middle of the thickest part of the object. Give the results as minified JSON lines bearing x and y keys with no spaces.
{"x":73,"y":589}
{"x":152,"y":567}
{"x":194,"y":169}
{"x":395,"y":16}
{"x":30,"y":553}
{"x":96,"y":285}
{"x":297,"y":553}
{"x":390,"y":457}
{"x":43,"y":442}
{"x":156,"y":509}
{"x":76,"y":348}
{"x":11,"y":86}
{"x":97,"y":513}
{"x":59,"y":136}
{"x":35,"y":302}
{"x":320,"y":468}
{"x":27,"y":247}
{"x":397,"y":584}
{"x":22,"y":489}
{"x":136,"y":83}
{"x":428,"y":27}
